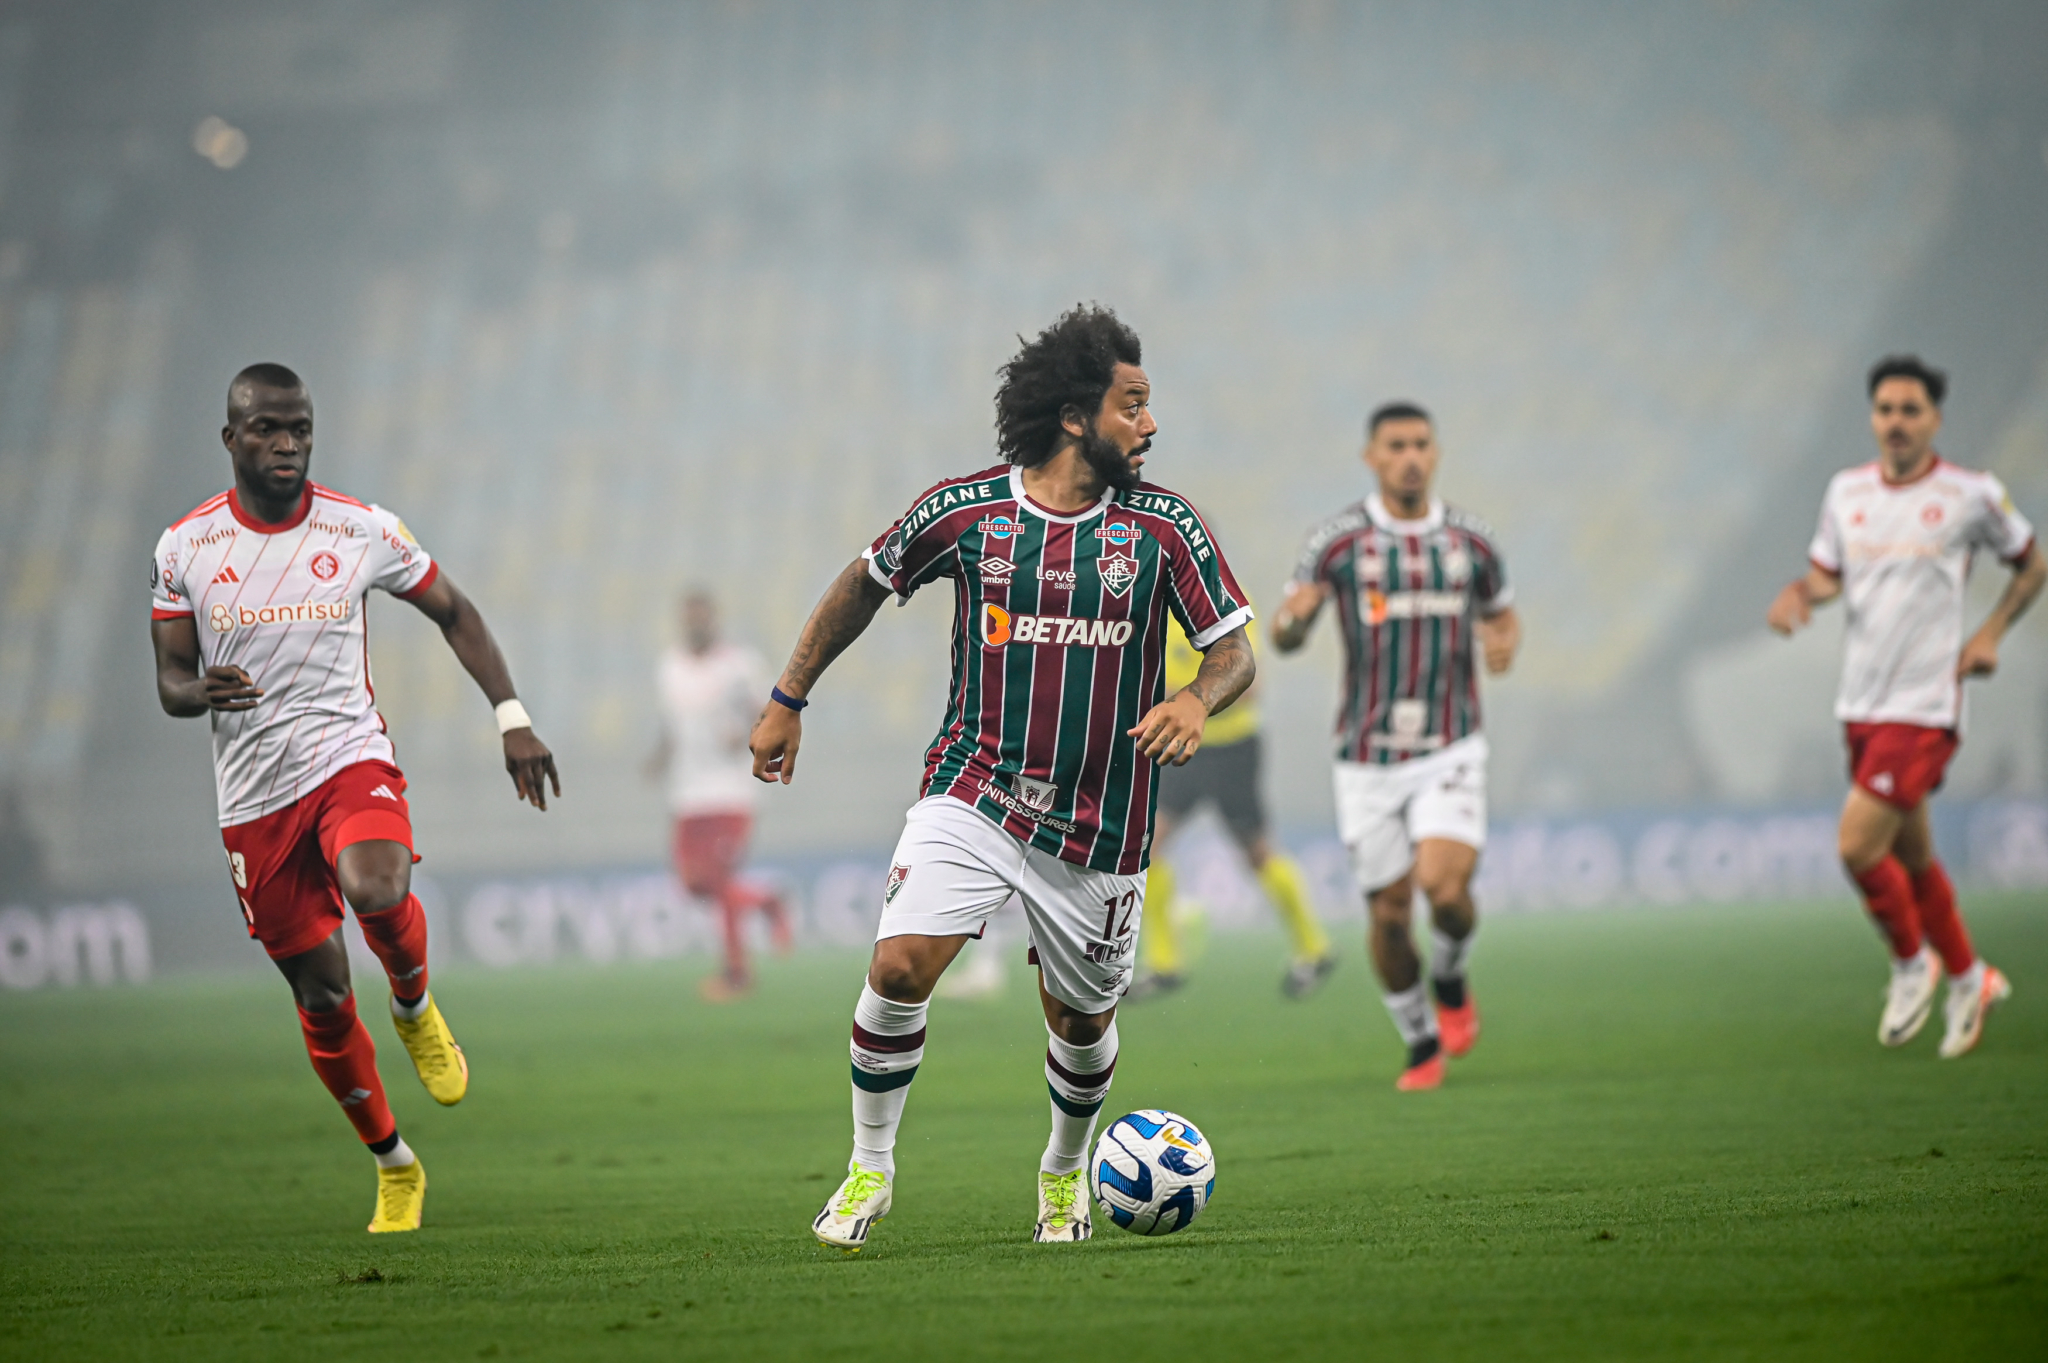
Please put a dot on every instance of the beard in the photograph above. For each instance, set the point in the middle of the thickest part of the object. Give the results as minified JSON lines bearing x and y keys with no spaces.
{"x":1111,"y":464}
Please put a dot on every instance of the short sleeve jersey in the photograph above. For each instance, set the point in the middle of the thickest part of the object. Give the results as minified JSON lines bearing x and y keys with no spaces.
{"x":1903,"y":552}
{"x":285,"y":603}
{"x":1406,"y":595}
{"x":1059,"y":642}
{"x":709,"y":702}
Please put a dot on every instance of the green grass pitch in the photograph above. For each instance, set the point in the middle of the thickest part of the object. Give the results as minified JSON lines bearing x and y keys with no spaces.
{"x":1677,"y":1139}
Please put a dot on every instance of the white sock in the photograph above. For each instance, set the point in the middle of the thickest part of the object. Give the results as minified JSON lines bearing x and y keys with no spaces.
{"x":887,"y":1047}
{"x":1415,"y":1020}
{"x":414,"y":1013}
{"x":1078,"y":1077}
{"x":1970,"y":981}
{"x":1447,"y":953}
{"x":397,"y":1157}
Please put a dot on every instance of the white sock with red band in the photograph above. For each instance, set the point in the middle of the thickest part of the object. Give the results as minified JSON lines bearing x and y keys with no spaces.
{"x":1078,"y":1078}
{"x":887,"y":1048}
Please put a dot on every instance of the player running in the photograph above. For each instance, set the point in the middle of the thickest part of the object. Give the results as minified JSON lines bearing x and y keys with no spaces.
{"x":1040,"y":780}
{"x":257,"y":615}
{"x":1896,"y":540}
{"x":1225,"y":773}
{"x":710,"y":694}
{"x":1416,"y":582}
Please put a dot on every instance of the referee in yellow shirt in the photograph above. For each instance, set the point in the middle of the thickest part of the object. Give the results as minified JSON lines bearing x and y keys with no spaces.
{"x":1225,"y":771}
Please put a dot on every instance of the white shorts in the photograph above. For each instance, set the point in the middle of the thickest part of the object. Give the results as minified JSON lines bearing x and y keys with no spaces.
{"x":1384,"y":810}
{"x":953,"y":869}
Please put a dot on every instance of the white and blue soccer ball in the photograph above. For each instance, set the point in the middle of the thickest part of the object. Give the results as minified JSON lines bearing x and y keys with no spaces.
{"x":1153,"y":1172}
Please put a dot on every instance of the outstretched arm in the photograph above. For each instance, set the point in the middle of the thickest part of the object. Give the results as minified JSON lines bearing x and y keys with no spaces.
{"x":842,"y":613}
{"x":1793,"y":608}
{"x":1171,"y":731}
{"x":1980,"y":655}
{"x":527,"y":759}
{"x":181,"y":688}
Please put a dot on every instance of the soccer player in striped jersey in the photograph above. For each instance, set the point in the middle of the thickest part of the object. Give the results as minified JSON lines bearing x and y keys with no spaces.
{"x":1416,"y":584}
{"x":1895,"y":542}
{"x":257,"y":617}
{"x":1064,"y":568}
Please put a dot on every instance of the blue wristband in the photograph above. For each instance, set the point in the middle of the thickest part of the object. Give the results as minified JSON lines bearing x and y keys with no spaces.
{"x":775,"y":693}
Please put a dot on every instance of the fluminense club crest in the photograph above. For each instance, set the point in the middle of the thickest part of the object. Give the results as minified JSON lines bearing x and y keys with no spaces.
{"x":1037,"y":795}
{"x":897,"y":875}
{"x":1118,"y":572}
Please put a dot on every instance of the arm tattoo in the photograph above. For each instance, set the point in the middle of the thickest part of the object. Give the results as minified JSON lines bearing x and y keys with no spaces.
{"x":1227,"y":669}
{"x":846,"y":609}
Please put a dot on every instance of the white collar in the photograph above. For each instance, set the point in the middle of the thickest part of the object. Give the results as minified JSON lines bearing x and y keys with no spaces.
{"x":1025,"y":503}
{"x":1376,"y":508}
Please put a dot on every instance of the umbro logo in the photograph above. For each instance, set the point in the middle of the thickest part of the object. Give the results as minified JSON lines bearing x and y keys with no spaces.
{"x":384,"y":791}
{"x":226,"y":574}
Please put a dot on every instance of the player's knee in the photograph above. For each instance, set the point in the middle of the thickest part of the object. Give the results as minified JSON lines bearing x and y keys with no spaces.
{"x":1390,"y":912}
{"x":896,"y":977}
{"x":1446,"y":889}
{"x":377,"y":891}
{"x":317,"y":995}
{"x":1081,"y":1029}
{"x":1860,"y":851}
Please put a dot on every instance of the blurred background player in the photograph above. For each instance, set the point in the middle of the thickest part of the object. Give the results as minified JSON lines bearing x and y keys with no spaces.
{"x":1064,"y":566}
{"x":1415,"y":583}
{"x":312,"y":805}
{"x":710,"y":696}
{"x":1895,"y":542}
{"x":1225,"y":773}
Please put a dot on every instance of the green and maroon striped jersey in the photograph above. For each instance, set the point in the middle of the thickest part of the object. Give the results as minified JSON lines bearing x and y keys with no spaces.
{"x":1406,"y":594}
{"x":1059,"y":644}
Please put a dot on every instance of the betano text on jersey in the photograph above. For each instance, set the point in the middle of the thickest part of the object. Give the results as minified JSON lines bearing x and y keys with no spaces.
{"x":1406,"y":593}
{"x":1059,"y":637}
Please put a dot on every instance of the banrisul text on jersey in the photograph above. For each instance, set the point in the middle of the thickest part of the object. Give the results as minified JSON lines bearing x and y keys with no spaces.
{"x":1406,"y":594}
{"x":285,"y":604}
{"x":1059,"y":641}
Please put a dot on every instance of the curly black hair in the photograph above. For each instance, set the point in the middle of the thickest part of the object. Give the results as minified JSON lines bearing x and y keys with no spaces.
{"x":1070,"y":364}
{"x":1910,"y":367}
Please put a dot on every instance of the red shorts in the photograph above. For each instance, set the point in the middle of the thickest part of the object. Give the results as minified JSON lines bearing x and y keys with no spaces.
{"x":1901,"y":764}
{"x":283,"y":863}
{"x":708,"y":850}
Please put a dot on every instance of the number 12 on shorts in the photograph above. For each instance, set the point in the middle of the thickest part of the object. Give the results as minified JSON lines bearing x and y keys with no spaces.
{"x":1126,"y":903}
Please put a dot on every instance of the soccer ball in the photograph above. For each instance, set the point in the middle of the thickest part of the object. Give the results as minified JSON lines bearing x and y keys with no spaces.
{"x":1153,"y":1172}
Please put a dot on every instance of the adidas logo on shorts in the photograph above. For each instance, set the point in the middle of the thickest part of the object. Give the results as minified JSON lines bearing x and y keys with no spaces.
{"x":384,"y":791}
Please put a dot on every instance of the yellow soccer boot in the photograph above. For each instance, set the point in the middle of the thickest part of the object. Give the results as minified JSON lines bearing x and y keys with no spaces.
{"x":434,"y":1053}
{"x":401,"y":1195}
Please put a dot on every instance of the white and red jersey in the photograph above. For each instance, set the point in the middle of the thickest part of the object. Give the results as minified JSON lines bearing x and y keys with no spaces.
{"x":1903,"y":551}
{"x":709,"y":702}
{"x":285,"y":603}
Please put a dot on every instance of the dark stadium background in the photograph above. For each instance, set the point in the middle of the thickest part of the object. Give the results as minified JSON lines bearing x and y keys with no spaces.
{"x":609,"y":298}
